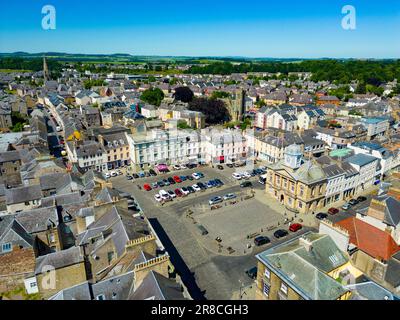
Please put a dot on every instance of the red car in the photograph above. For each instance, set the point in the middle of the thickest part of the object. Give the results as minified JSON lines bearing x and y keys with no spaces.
{"x":295,"y":227}
{"x":147,"y":187}
{"x":333,"y":211}
{"x":177,"y":179}
{"x":178,"y":193}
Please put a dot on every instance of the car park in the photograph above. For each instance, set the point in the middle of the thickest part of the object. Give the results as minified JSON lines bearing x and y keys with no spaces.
{"x":280,"y":233}
{"x":229,"y":196}
{"x":321,"y":216}
{"x":215,"y":200}
{"x":333,"y":211}
{"x":236,"y":176}
{"x":294,"y":227}
{"x":261,"y":240}
{"x":147,"y":187}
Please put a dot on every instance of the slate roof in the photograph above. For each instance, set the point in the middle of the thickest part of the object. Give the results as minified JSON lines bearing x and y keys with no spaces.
{"x":306,"y":270}
{"x":22,"y":194}
{"x":115,"y":288}
{"x":78,"y":292}
{"x":38,"y":220}
{"x":157,"y":287}
{"x":361,"y":159}
{"x":59,"y":259}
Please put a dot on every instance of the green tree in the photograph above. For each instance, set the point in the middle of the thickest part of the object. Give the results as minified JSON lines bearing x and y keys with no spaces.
{"x":152,"y":96}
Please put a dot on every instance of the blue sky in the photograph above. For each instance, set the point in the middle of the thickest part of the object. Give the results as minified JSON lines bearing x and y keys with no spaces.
{"x":254,"y":28}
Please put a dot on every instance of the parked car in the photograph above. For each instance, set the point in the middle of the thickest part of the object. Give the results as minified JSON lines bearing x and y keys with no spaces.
{"x":333,"y":211}
{"x":107,"y":175}
{"x":210,"y":184}
{"x":321,"y":216}
{"x":147,"y":187}
{"x":361,"y":199}
{"x":261,"y":240}
{"x":128,"y":177}
{"x":189,"y":178}
{"x":161,"y":183}
{"x":219,"y":167}
{"x":157,"y":197}
{"x":183,"y":178}
{"x":176,"y":167}
{"x":135,"y":175}
{"x":171,"y":180}
{"x":252,"y":273}
{"x":178,"y":193}
{"x":166,"y":182}
{"x":185,"y":191}
{"x":171,"y":194}
{"x":215,"y":200}
{"x":229,"y":165}
{"x":219,"y":182}
{"x":154,"y":185}
{"x":201,"y":185}
{"x":191,"y":190}
{"x":236,"y":176}
{"x":246,"y":175}
{"x":229,"y":196}
{"x":183,"y":166}
{"x":196,"y":176}
{"x":262,"y":180}
{"x":113,"y":173}
{"x":353,"y":202}
{"x":280,"y":233}
{"x":246,"y":184}
{"x":196,"y":187}
{"x":177,"y":179}
{"x":295,"y":227}
{"x":152,"y":172}
{"x":346,"y":206}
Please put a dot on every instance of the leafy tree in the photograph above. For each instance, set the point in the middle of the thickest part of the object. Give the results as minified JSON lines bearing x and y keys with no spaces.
{"x":152,"y":96}
{"x":214,"y":110}
{"x":183,"y":125}
{"x":220,"y":95}
{"x":88,"y":84}
{"x":183,"y":94}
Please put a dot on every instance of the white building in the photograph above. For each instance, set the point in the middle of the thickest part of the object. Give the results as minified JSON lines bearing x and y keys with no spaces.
{"x":367,"y":167}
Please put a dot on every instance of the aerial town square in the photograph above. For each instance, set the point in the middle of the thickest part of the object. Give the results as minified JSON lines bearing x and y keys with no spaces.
{"x":247,"y":153}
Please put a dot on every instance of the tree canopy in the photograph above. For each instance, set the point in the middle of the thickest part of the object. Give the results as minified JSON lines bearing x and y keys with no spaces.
{"x":152,"y":96}
{"x":214,"y":110}
{"x":183,"y":94}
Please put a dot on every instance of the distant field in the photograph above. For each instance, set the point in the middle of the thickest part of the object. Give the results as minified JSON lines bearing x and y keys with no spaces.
{"x":13,"y":70}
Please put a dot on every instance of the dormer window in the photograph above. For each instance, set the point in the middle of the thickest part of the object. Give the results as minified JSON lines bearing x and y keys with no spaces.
{"x":6,"y":247}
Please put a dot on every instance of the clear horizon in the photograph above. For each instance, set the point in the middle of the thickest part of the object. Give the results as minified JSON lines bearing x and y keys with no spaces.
{"x":256,"y":29}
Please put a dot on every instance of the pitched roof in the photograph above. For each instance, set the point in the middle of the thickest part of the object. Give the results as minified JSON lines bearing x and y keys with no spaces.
{"x":371,"y":240}
{"x":59,"y":259}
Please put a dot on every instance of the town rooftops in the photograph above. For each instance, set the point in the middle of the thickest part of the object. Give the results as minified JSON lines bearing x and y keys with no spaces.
{"x":59,"y":259}
{"x":303,"y":263}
